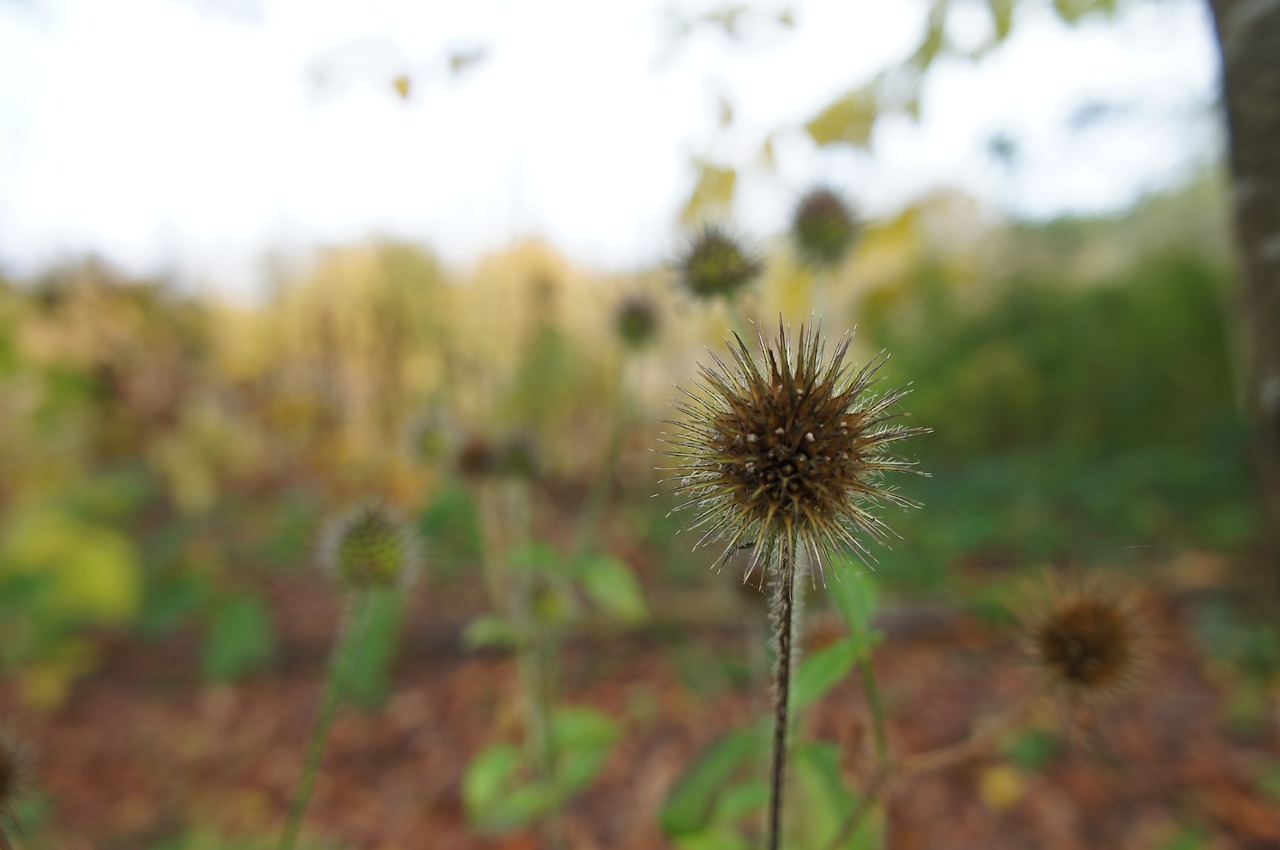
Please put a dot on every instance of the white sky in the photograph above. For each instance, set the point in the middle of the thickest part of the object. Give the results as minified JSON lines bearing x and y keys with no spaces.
{"x":163,"y":135}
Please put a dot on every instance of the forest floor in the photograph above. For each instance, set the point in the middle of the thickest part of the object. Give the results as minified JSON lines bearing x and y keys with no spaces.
{"x":144,"y":752}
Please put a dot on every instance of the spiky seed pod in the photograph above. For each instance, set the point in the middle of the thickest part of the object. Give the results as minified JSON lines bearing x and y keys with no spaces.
{"x":823,"y":228}
{"x":788,"y":448}
{"x":636,"y":321}
{"x":15,"y":777}
{"x":430,"y":437}
{"x":478,"y":458}
{"x":518,"y":457}
{"x":716,"y":265}
{"x":370,"y":546}
{"x":1087,"y":640}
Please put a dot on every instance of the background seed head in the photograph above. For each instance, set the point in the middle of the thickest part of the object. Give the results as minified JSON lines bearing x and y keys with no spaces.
{"x":823,"y":228}
{"x":716,"y":265}
{"x":370,"y":547}
{"x":787,"y":447}
{"x":637,"y":321}
{"x":15,"y":772}
{"x":1088,"y":640}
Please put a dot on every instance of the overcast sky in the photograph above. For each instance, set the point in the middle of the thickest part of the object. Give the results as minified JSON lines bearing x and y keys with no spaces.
{"x":193,"y":135}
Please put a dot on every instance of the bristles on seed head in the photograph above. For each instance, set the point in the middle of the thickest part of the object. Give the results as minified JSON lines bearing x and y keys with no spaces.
{"x":787,"y":447}
{"x":715,"y":264}
{"x":370,"y":546}
{"x":823,"y":228}
{"x":1089,"y":641}
{"x":15,"y":773}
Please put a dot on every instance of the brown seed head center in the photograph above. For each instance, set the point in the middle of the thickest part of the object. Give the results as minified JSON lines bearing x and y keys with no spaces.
{"x":1087,"y":643}
{"x":793,"y":455}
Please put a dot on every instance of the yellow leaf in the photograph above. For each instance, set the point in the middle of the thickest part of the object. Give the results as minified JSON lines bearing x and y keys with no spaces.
{"x":714,"y":190}
{"x":850,"y":119}
{"x":1002,"y":786}
{"x":402,"y":85}
{"x":93,"y":569}
{"x":1001,"y":17}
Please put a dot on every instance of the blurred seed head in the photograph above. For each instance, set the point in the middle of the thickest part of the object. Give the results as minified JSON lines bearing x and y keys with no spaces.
{"x":1087,"y":640}
{"x":787,"y":447}
{"x":637,"y":321}
{"x":430,"y":437}
{"x":517,"y":456}
{"x":15,"y":773}
{"x":823,"y":228}
{"x":716,"y":265}
{"x":370,"y":546}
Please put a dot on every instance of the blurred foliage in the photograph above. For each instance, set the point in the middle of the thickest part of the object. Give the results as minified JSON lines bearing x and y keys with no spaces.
{"x":163,"y":455}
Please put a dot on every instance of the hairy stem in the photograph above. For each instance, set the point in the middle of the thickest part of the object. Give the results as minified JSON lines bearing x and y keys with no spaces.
{"x":348,"y":639}
{"x":784,"y":634}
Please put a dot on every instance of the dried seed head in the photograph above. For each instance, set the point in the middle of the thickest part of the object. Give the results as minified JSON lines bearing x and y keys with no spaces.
{"x":477,"y":458}
{"x":823,"y":228}
{"x":519,"y":456}
{"x":637,"y":321}
{"x":514,"y":457}
{"x":716,"y":265}
{"x":370,"y":547}
{"x":1088,"y":641}
{"x":787,"y":448}
{"x":15,"y":773}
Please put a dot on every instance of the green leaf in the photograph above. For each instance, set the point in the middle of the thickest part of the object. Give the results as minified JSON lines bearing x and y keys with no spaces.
{"x":490,"y":630}
{"x":720,"y":838}
{"x":241,"y":638}
{"x":490,"y":779}
{"x":539,"y":557}
{"x":612,"y":586}
{"x":854,"y":596}
{"x":691,"y":803}
{"x":741,"y":800}
{"x":824,"y":801}
{"x":1033,"y":749}
{"x":849,"y":119}
{"x":822,"y":670}
{"x":713,"y":191}
{"x":581,"y":740}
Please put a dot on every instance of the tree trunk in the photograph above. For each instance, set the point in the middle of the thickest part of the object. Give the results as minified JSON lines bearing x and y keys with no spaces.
{"x":1249,"y":40}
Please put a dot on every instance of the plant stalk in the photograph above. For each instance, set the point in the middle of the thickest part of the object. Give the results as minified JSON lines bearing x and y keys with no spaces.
{"x":348,"y":639}
{"x":784,"y":633}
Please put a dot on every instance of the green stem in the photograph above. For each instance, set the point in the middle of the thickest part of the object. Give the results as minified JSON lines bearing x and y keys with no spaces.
{"x":344,"y":649}
{"x":784,"y":634}
{"x":875,"y":702}
{"x":598,"y":496}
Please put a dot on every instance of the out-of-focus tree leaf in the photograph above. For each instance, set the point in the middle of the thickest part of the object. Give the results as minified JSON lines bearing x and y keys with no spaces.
{"x":1071,"y":11}
{"x":850,"y":119}
{"x":713,"y":191}
{"x":1001,"y":18}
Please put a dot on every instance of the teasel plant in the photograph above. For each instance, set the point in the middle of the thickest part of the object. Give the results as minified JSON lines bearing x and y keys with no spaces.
{"x":1085,"y":640}
{"x":15,"y":782}
{"x":370,"y":548}
{"x":786,"y":453}
{"x":717,"y":265}
{"x":636,"y":322}
{"x":502,"y":470}
{"x":824,"y":231}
